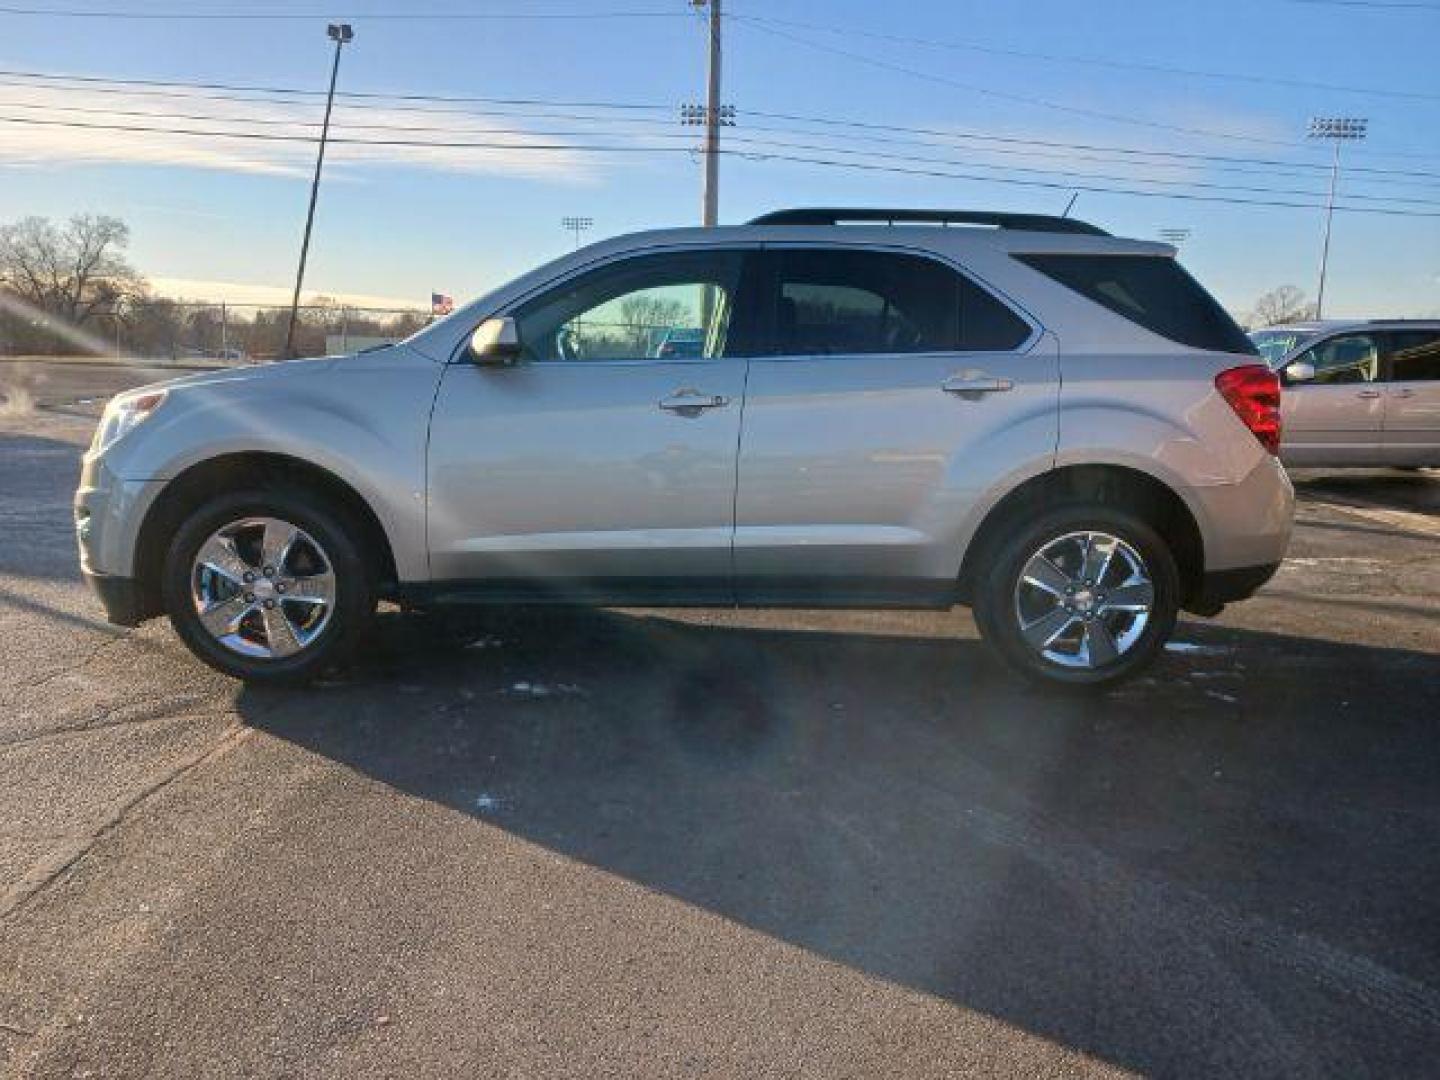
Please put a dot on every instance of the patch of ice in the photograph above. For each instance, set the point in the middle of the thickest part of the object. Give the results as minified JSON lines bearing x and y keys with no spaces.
{"x":1191,"y":648}
{"x":541,"y":690}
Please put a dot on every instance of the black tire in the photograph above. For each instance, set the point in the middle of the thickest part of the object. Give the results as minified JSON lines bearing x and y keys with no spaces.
{"x":341,"y":539}
{"x":1005,"y":560}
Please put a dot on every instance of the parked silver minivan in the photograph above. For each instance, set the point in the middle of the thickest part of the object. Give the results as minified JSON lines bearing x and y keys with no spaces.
{"x":1363,"y":394}
{"x":885,"y":409}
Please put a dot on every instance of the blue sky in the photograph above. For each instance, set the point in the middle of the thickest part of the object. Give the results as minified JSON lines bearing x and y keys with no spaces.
{"x":397,"y":222}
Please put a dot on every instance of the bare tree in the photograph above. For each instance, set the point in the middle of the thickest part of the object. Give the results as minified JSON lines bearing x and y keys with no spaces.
{"x":1286,"y":304}
{"x":73,"y":271}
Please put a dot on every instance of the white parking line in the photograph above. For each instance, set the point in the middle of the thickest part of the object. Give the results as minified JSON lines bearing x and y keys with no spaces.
{"x":1429,"y":524}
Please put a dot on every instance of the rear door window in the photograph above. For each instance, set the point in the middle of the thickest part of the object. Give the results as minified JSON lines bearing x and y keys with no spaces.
{"x":838,"y":301}
{"x":1152,"y":291}
{"x":1415,"y":356}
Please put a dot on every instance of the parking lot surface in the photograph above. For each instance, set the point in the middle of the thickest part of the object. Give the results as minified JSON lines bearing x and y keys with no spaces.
{"x":628,"y":843}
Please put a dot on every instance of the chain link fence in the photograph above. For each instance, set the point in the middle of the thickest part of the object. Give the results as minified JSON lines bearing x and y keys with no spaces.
{"x":185,"y":332}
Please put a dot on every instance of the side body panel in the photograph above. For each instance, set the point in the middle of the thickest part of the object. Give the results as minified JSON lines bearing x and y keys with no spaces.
{"x":1412,"y":398}
{"x":362,"y":418}
{"x":1332,"y":425}
{"x":859,"y":473}
{"x":1160,"y":415}
{"x":572,"y":474}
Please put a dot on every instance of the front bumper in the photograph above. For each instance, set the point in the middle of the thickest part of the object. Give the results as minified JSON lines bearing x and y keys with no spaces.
{"x":122,"y":598}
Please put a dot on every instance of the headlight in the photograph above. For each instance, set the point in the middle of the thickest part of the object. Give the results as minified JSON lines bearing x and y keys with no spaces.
{"x":122,"y":415}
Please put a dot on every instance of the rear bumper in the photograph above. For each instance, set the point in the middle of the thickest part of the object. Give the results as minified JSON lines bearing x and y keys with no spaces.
{"x":122,"y":598}
{"x":1221,"y":587}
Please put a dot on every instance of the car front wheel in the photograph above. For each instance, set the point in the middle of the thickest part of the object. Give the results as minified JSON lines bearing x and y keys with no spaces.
{"x":268,"y":586}
{"x":1082,"y":596}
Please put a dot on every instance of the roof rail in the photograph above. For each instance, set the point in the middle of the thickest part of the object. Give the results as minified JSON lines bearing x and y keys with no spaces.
{"x":840,"y":216}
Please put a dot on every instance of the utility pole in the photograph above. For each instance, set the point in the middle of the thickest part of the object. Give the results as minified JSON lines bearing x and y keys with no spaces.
{"x":339,"y":33}
{"x":711,"y":211}
{"x":1336,"y":129}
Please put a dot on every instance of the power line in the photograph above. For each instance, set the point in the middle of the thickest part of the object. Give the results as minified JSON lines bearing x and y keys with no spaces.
{"x":1063,"y":186}
{"x":1065,"y":180}
{"x":1024,"y":99}
{"x":1011,"y":140}
{"x":1425,"y":179}
{"x":389,"y":16}
{"x":290,"y":91}
{"x":746,"y":139}
{"x":93,"y":83}
{"x":1122,"y":65}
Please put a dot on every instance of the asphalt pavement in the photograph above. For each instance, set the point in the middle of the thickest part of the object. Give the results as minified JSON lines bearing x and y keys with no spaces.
{"x":629,"y":843}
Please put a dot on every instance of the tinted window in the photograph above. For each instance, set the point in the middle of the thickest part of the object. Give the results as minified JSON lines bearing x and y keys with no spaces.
{"x":1153,"y":291}
{"x":659,"y":307}
{"x":1351,"y":358}
{"x":828,"y":302}
{"x":1415,"y":356}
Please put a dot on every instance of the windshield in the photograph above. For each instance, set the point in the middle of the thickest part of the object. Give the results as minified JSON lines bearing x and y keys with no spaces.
{"x":1273,"y":345}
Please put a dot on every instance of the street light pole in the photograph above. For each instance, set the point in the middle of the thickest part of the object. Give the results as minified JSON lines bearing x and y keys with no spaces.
{"x":339,"y":33}
{"x":1336,"y":129}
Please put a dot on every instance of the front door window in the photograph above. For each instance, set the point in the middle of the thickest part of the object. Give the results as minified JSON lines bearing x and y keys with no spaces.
{"x":654,"y":307}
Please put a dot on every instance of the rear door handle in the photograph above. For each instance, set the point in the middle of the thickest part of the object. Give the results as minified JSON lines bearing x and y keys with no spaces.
{"x":1367,"y":393}
{"x":1403,"y":393}
{"x":691,"y":401}
{"x":976,"y":382}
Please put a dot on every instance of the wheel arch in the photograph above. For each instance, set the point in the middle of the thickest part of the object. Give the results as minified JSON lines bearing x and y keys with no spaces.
{"x":228,"y":472}
{"x":1112,"y":485}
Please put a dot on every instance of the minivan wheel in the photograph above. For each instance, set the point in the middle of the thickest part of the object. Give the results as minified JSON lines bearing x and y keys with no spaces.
{"x":268,"y":586}
{"x":1082,"y":596}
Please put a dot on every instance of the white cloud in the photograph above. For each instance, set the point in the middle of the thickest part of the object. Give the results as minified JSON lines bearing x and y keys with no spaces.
{"x":237,"y":292}
{"x":29,"y":136}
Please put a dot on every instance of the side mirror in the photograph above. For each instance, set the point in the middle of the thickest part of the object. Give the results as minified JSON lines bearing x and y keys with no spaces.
{"x":496,"y":342}
{"x":1299,"y":371}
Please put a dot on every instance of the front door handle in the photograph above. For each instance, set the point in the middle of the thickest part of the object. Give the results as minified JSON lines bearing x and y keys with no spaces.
{"x":976,"y":382}
{"x":1367,"y":393}
{"x":689,"y":401}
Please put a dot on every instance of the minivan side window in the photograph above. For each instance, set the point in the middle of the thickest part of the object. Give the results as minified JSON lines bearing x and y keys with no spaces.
{"x":1415,"y":356}
{"x":834,"y":301}
{"x":1351,"y":358}
{"x":669,"y":306}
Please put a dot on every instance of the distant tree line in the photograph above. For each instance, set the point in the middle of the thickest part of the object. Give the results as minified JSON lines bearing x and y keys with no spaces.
{"x":68,"y":288}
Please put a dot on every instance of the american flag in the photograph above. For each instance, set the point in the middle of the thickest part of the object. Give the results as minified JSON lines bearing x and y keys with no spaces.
{"x":440,"y":304}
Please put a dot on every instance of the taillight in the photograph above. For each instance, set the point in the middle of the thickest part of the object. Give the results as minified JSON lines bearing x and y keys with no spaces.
{"x":1253,"y":391}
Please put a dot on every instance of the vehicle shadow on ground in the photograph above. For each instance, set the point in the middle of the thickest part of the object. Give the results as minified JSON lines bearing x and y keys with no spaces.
{"x":1202,"y":873}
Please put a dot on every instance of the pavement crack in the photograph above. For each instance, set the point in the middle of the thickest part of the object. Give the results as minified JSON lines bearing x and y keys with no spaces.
{"x":33,"y":884}
{"x":109,"y":718}
{"x":85,"y":661}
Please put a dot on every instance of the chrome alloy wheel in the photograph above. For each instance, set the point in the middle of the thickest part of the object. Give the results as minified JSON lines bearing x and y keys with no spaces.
{"x":263,"y":587}
{"x":1084,"y":599}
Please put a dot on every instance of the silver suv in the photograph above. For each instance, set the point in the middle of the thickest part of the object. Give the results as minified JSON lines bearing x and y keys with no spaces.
{"x":1363,"y":394}
{"x":1023,"y":414}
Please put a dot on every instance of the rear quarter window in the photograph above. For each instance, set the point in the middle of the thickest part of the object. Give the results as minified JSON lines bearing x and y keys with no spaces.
{"x":1152,"y":291}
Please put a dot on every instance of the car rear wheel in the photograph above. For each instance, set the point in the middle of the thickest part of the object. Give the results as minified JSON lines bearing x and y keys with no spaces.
{"x":1082,"y":596}
{"x":268,"y":586}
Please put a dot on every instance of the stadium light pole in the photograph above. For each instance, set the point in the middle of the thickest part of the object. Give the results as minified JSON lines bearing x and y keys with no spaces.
{"x":577,"y":225}
{"x":1335,"y":129}
{"x":340,"y":33}
{"x":1176,"y":236}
